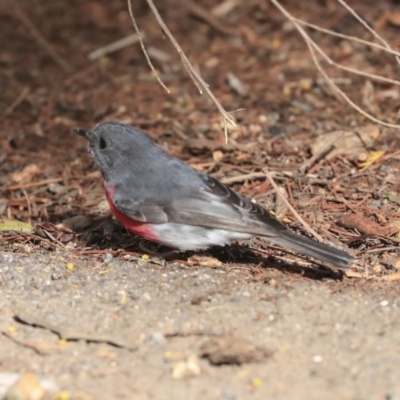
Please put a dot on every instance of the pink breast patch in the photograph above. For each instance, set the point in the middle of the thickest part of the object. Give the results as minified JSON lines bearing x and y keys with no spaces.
{"x":142,"y":229}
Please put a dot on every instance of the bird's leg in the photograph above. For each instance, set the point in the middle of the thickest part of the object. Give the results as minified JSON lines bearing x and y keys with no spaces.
{"x":166,"y":254}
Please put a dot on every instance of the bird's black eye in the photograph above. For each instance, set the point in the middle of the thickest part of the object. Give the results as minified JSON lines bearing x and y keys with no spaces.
{"x":102,"y":144}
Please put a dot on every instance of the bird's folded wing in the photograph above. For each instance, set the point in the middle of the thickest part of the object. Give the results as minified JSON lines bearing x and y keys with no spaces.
{"x":141,"y":212}
{"x":214,"y":206}
{"x":209,"y":210}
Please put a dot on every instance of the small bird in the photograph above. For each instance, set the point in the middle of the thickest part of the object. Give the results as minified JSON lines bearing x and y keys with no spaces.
{"x":164,"y":200}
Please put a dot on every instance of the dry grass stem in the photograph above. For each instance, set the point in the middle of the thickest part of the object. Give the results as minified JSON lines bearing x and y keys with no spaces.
{"x":366,"y":26}
{"x":307,"y":226}
{"x":114,"y":46}
{"x":313,"y":47}
{"x":194,"y":75}
{"x":143,"y":47}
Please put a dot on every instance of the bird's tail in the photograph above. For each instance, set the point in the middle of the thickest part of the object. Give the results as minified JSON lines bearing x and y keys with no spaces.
{"x":309,"y":247}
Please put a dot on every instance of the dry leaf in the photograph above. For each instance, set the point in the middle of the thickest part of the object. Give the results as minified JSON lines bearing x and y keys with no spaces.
{"x":218,"y":155}
{"x":351,"y":142}
{"x":280,"y":206}
{"x":28,"y":387}
{"x":353,"y":274}
{"x":77,"y":223}
{"x":394,"y":277}
{"x":209,"y":262}
{"x":15,"y":226}
{"x":371,"y":159}
{"x":26,"y":174}
{"x":186,"y":369}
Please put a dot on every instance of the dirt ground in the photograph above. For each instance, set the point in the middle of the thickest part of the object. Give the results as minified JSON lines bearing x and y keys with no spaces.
{"x":83,"y":305}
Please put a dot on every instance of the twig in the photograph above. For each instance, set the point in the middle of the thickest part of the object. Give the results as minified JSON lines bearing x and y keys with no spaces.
{"x":355,"y":39}
{"x":135,"y":26}
{"x":41,"y":39}
{"x":341,"y":93}
{"x":33,"y":184}
{"x":195,"y":332}
{"x":291,"y":208}
{"x":117,"y":45}
{"x":194,"y":75}
{"x":244,"y":177}
{"x":223,"y":8}
{"x":17,"y":101}
{"x":23,"y":344}
{"x":208,"y":17}
{"x":197,"y":79}
{"x":348,"y":37}
{"x":366,"y":26}
{"x":314,"y":47}
{"x":28,"y":202}
{"x":26,"y":318}
{"x":381,"y":250}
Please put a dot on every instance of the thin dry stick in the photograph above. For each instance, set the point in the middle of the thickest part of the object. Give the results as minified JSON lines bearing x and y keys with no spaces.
{"x":210,"y":18}
{"x":32,"y":184}
{"x":144,"y":48}
{"x":200,"y":84}
{"x":197,"y":79}
{"x":194,"y":75}
{"x":114,"y":46}
{"x":352,"y":38}
{"x":244,"y":177}
{"x":41,"y":39}
{"x":348,"y":37}
{"x":295,"y":213}
{"x":312,"y":47}
{"x":365,"y":25}
{"x":223,"y":8}
{"x":349,"y":69}
{"x":21,"y":97}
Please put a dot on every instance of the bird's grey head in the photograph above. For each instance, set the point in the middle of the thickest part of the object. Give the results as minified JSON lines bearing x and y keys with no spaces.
{"x":113,"y":145}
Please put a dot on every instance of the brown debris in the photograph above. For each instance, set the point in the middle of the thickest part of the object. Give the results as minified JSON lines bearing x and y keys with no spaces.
{"x":209,"y":262}
{"x":232,"y":349}
{"x":185,"y":369}
{"x":28,"y":387}
{"x":363,"y":225}
{"x":55,"y":234}
{"x":26,"y":174}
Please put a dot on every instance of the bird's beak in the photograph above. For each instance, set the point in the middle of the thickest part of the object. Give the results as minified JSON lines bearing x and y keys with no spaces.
{"x":81,"y":132}
{"x":87,"y":134}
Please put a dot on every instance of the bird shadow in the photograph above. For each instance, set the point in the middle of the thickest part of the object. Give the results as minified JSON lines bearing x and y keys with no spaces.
{"x":236,"y":253}
{"x":243,"y":254}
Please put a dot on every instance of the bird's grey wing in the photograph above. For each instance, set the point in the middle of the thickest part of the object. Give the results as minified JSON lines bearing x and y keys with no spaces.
{"x":211,"y":205}
{"x":141,"y":212}
{"x":214,"y":205}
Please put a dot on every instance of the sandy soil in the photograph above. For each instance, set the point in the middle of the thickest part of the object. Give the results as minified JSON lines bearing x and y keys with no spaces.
{"x":328,"y":339}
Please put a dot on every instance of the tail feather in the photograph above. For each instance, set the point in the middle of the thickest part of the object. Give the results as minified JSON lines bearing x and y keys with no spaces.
{"x":309,"y":247}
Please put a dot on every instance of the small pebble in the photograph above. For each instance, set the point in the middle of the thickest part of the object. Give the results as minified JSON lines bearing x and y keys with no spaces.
{"x":384,"y":303}
{"x":229,"y":395}
{"x":157,"y":338}
{"x":57,"y":274}
{"x":107,"y":257}
{"x":318,"y":358}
